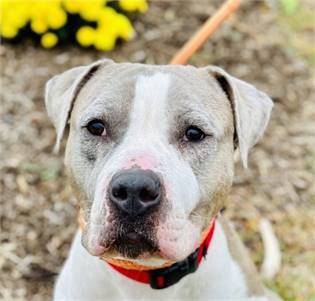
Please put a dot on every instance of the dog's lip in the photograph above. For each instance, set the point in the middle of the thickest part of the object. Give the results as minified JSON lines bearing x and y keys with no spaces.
{"x":134,"y":236}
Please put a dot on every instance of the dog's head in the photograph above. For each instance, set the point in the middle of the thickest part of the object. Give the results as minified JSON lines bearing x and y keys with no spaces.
{"x":150,"y":151}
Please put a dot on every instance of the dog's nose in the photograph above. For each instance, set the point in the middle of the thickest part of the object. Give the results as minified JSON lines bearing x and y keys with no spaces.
{"x":135,"y":191}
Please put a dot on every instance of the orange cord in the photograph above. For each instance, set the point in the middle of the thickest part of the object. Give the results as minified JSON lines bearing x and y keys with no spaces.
{"x":201,"y":36}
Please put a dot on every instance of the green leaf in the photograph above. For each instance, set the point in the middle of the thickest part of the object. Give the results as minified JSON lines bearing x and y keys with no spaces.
{"x":49,"y":174}
{"x":45,"y":173}
{"x":290,"y":7}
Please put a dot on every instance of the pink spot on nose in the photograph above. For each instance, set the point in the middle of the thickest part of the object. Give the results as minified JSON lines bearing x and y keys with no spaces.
{"x":141,"y":161}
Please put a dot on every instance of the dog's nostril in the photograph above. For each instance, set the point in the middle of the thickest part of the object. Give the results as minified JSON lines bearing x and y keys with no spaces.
{"x":147,"y":194}
{"x":120,"y":193}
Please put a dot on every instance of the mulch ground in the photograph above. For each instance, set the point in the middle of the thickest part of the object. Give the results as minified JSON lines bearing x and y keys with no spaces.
{"x":38,"y":211}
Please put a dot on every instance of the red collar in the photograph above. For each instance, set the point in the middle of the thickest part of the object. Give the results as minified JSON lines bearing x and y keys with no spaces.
{"x":165,"y":277}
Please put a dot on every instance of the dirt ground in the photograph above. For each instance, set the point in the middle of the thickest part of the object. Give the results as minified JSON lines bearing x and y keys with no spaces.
{"x":38,"y":211}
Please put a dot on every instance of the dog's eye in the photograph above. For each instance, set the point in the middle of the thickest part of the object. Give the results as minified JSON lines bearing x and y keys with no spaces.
{"x":96,"y":127}
{"x":194,"y":134}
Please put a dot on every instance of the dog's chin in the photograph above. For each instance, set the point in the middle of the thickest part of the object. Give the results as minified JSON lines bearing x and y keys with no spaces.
{"x":133,"y":246}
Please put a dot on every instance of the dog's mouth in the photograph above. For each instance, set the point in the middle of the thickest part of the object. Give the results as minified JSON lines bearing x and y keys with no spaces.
{"x":130,"y":238}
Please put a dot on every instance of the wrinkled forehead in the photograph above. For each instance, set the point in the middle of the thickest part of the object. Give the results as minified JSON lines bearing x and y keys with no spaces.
{"x":179,"y":90}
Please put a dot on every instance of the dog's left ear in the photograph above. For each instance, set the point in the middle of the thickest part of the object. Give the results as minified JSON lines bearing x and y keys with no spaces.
{"x":61,"y":92}
{"x":251,"y":109}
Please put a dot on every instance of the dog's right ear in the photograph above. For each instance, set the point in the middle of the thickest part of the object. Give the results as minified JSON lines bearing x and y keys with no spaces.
{"x":61,"y":92}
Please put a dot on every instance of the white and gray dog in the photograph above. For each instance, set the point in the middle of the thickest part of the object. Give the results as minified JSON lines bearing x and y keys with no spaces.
{"x":150,"y":158}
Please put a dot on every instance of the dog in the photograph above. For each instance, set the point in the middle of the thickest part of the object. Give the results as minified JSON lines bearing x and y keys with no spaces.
{"x":150,"y":159}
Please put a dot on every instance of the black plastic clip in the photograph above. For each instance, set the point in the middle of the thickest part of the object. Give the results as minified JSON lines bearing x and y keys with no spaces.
{"x":165,"y":277}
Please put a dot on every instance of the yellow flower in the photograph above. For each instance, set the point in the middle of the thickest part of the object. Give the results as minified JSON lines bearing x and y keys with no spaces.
{"x":56,"y":18}
{"x":38,"y":9}
{"x":91,"y":10}
{"x":4,"y":6}
{"x":21,"y":16}
{"x":134,"y":5}
{"x":85,"y":36}
{"x":49,"y":40}
{"x":8,"y":31}
{"x":72,"y":6}
{"x":15,"y":15}
{"x":124,"y":27}
{"x":104,"y":41}
{"x":43,"y":15}
{"x":79,"y":6}
{"x":106,"y":17}
{"x":91,"y":13}
{"x":39,"y":26}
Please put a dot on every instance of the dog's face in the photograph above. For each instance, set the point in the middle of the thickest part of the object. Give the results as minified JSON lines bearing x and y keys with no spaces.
{"x":150,"y":151}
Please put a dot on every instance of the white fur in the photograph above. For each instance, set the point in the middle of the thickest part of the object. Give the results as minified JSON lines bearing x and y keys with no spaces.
{"x":150,"y":92}
{"x":219,"y":278}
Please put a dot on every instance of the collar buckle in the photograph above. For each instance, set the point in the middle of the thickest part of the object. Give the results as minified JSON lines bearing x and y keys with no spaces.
{"x":165,"y":277}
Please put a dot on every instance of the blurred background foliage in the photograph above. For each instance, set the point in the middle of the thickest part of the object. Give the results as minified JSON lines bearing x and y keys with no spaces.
{"x":297,"y":22}
{"x":89,"y":23}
